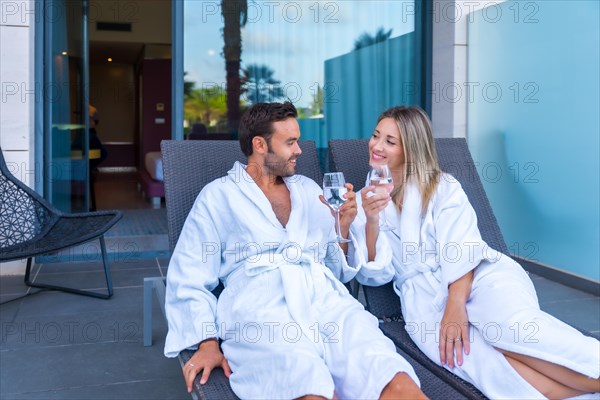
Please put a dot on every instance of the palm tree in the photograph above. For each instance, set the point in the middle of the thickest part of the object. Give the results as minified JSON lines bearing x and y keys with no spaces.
{"x":234,"y":16}
{"x":366,"y":39}
{"x":260,"y":84}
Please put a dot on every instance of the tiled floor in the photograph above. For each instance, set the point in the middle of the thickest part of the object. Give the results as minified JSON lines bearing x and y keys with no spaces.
{"x":58,"y":345}
{"x":118,"y":190}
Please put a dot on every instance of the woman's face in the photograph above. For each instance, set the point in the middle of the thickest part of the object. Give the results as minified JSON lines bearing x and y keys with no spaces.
{"x":385,"y":146}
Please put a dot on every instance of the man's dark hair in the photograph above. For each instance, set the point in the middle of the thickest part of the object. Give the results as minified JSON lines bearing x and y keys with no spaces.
{"x":258,"y":121}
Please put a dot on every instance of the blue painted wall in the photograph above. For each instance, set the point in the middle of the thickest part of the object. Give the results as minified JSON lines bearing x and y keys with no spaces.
{"x":534,"y":127}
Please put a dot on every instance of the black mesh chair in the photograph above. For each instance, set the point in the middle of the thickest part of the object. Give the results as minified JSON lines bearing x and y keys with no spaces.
{"x":352,"y":158}
{"x":30,"y":226}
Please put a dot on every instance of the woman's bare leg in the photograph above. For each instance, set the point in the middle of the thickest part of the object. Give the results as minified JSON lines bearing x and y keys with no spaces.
{"x":545,"y":385}
{"x":558,"y":373}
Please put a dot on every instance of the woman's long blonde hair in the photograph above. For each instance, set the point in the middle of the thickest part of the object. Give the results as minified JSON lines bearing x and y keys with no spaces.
{"x":422,"y":167}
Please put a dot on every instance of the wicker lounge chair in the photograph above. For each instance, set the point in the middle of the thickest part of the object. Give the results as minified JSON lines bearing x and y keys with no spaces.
{"x":30,"y":226}
{"x":352,"y":158}
{"x":188,"y":166}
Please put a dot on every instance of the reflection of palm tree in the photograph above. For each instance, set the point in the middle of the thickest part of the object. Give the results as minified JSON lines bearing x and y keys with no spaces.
{"x":206,"y":105}
{"x":260,"y":84}
{"x":316,"y":105}
{"x":234,"y":17}
{"x":366,"y":39}
{"x":188,"y":86}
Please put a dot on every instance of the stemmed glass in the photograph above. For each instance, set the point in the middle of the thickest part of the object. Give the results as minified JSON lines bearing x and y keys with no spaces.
{"x":334,"y":190}
{"x":380,"y":176}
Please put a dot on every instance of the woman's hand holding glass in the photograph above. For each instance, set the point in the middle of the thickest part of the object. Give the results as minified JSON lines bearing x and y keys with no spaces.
{"x":377,"y":195}
{"x":373,"y":204}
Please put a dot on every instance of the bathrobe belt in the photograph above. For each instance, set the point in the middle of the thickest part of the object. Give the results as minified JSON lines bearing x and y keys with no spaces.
{"x":295,"y":273}
{"x":418,"y":268}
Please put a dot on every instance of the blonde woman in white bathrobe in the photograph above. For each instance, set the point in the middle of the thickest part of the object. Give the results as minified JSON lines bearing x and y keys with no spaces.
{"x":288,"y":326}
{"x":466,"y":306}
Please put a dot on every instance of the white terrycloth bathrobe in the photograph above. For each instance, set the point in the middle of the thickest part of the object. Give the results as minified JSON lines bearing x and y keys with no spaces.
{"x":427,"y":252}
{"x":289,"y":326}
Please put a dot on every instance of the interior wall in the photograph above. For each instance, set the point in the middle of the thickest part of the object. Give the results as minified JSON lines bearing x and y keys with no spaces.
{"x":156,"y":103}
{"x":150,"y":19}
{"x":114,"y":86}
{"x":112,"y":92}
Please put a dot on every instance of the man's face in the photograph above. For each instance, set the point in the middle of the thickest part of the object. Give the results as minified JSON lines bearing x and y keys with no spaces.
{"x":283,"y":149}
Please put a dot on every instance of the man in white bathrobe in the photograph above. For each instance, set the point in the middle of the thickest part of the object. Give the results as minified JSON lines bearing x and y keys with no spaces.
{"x":288,"y":326}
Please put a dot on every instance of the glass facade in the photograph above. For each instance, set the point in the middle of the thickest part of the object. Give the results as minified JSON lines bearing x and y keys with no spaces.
{"x":340,"y":63}
{"x":66,"y":143}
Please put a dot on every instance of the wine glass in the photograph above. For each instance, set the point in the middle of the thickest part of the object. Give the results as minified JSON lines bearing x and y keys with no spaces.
{"x":334,"y":190}
{"x":380,"y":176}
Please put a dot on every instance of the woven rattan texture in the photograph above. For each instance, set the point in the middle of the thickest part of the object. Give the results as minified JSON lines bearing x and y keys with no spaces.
{"x":352,"y":156}
{"x":452,"y":384}
{"x":189,"y":165}
{"x":217,"y":386}
{"x":431,"y":384}
{"x":30,"y":226}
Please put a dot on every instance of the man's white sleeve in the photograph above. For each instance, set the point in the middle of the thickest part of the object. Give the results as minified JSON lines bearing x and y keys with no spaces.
{"x":193,"y":273}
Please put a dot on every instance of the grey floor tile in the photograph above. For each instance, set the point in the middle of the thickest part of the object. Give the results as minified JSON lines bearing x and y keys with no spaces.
{"x":9,"y":308}
{"x":64,"y":367}
{"x":95,"y":279}
{"x":100,"y":353}
{"x":111,"y":326}
{"x":162,"y":388}
{"x":533,"y":276}
{"x":135,"y":247}
{"x":57,"y":304}
{"x":549,"y":291}
{"x":581,"y":313}
{"x":115,"y":264}
{"x":10,"y":284}
{"x":164,"y":261}
{"x":117,"y":249}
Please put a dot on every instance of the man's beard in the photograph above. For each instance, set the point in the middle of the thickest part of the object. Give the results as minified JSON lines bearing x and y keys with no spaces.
{"x":275,"y":166}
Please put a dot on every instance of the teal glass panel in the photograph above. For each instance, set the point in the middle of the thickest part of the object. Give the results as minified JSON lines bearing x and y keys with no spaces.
{"x":361,"y":84}
{"x":533,"y":127}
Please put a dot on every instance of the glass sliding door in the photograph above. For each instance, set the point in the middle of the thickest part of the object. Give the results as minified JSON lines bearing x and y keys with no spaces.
{"x":66,"y":124}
